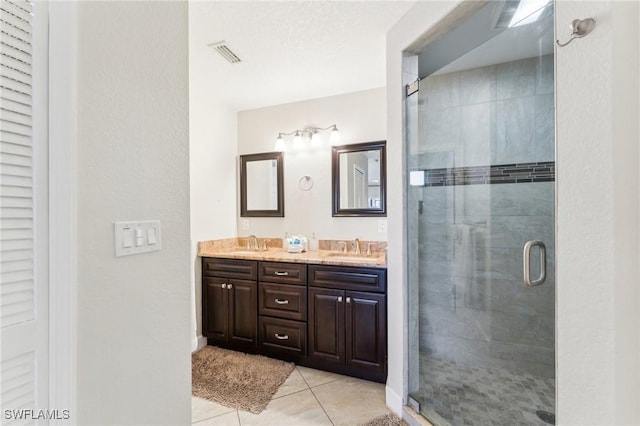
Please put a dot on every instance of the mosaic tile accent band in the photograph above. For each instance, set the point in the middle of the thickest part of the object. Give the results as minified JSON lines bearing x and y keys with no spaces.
{"x":482,"y":175}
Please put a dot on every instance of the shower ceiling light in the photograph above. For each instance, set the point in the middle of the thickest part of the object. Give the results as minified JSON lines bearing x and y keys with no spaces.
{"x":528,"y":11}
{"x":309,"y":135}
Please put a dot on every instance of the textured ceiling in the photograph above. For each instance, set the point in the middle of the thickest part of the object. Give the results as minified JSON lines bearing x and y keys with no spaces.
{"x":291,"y":51}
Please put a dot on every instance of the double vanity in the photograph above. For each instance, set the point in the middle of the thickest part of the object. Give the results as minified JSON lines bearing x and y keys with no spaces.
{"x":324,"y":309}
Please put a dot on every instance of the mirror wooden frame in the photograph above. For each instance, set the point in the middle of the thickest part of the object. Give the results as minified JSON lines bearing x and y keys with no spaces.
{"x":244,"y":159}
{"x":337,"y":210}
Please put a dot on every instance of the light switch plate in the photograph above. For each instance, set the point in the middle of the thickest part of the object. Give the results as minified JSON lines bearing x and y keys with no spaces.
{"x":136,"y":237}
{"x":382,"y":225}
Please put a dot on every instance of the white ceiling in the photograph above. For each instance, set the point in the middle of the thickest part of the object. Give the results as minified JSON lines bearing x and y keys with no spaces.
{"x":291,"y":50}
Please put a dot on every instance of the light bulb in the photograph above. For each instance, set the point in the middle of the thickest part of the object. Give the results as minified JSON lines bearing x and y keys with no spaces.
{"x":335,"y":136}
{"x":297,"y":140}
{"x":306,"y":137}
{"x":316,"y":140}
{"x":280,"y":146}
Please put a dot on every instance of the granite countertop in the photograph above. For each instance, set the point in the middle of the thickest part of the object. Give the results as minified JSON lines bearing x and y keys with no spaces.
{"x":327,"y":254}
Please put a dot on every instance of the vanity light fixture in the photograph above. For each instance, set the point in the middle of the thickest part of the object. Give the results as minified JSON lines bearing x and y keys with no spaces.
{"x":310,"y":135}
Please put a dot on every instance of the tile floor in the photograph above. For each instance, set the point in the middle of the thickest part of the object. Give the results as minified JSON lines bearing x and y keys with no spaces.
{"x":308,"y":397}
{"x":482,"y":396}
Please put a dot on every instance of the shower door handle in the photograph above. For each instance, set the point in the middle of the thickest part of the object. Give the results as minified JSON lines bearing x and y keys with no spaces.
{"x":526,"y":263}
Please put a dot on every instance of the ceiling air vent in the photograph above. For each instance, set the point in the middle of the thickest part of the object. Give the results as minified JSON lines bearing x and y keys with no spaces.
{"x":224,"y":51}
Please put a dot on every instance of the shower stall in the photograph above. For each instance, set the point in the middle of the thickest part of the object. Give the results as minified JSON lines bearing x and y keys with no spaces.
{"x":480,"y":159}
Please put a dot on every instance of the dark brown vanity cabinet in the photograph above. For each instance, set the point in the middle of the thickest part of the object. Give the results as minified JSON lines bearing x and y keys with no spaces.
{"x":347,"y":327}
{"x":229,"y":301}
{"x":282,"y":308}
{"x":322,"y":316}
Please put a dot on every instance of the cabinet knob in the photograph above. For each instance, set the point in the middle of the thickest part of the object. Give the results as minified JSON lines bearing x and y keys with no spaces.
{"x":281,"y":302}
{"x":224,"y":286}
{"x":339,"y":299}
{"x":230,"y":286}
{"x":348,"y":300}
{"x":281,"y":336}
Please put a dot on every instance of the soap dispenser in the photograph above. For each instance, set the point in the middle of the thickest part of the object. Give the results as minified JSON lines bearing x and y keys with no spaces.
{"x":313,"y":242}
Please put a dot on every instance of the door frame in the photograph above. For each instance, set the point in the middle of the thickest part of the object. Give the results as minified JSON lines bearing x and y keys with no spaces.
{"x":63,"y":207}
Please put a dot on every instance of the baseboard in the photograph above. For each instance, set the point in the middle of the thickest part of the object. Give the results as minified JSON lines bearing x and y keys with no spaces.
{"x":198,"y":343}
{"x":202,"y":342}
{"x":394,"y":401}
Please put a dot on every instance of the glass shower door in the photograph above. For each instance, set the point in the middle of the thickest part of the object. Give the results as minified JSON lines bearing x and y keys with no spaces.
{"x":481,"y":201}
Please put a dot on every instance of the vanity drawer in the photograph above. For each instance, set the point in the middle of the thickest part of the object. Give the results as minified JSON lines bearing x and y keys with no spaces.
{"x":348,"y":278}
{"x":230,"y":268}
{"x":281,"y":272}
{"x":283,"y":301}
{"x":283,"y":336}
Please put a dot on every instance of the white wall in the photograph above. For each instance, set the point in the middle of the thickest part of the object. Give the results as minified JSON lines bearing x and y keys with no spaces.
{"x":597,"y":239}
{"x":212,"y":165}
{"x":213,"y":168}
{"x":133,"y":164}
{"x":597,"y":223}
{"x":360,"y":117}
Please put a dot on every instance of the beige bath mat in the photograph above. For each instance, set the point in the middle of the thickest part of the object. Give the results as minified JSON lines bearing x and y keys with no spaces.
{"x":235,"y":379}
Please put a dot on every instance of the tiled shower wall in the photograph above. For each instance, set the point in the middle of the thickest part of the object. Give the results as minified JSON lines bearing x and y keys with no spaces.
{"x":474,"y":306}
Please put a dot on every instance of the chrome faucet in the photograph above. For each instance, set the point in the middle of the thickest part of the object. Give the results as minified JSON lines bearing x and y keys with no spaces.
{"x":344,"y":247}
{"x":356,"y":244}
{"x":252,"y":242}
{"x":369,"y":252}
{"x":264,"y":244}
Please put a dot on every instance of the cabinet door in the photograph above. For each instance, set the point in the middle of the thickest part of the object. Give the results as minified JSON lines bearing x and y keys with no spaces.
{"x":326,"y":324}
{"x":215,"y":313}
{"x":366,"y":337}
{"x":243,"y":313}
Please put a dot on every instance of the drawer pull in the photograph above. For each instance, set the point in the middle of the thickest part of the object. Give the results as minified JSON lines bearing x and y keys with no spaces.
{"x":281,"y":274}
{"x":281,"y":336}
{"x":281,"y":302}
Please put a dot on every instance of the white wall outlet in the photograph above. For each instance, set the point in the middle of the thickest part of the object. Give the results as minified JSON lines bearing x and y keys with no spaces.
{"x":245,"y":225}
{"x":382,"y":225}
{"x":136,"y":237}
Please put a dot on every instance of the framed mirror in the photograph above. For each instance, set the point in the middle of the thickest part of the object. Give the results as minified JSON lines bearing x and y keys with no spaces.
{"x":262,"y":185}
{"x":359,"y":177}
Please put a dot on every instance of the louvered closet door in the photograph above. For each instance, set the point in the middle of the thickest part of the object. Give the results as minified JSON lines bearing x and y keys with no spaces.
{"x":23,"y":208}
